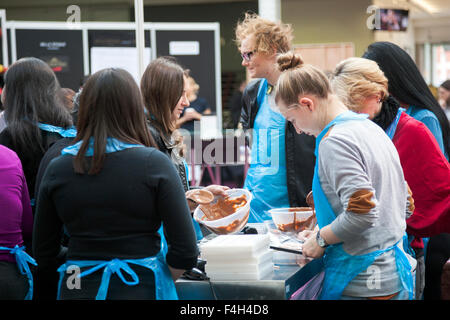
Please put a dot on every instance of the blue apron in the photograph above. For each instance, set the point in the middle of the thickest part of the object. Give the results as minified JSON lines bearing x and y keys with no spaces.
{"x":340,"y":267}
{"x":22,"y":260}
{"x":266,"y":176}
{"x":390,"y":131}
{"x":112,"y":145}
{"x":164,"y":285}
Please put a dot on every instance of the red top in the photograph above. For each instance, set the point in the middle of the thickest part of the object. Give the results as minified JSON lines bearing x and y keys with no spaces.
{"x":427,"y":172}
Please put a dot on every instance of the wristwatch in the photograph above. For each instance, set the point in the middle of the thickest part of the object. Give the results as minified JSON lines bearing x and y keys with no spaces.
{"x":321,"y":241}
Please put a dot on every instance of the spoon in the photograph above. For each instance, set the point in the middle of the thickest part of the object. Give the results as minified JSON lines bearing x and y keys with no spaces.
{"x":200,"y":196}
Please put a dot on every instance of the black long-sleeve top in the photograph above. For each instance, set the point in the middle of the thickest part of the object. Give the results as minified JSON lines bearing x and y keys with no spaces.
{"x":31,"y":156}
{"x":116,"y":213}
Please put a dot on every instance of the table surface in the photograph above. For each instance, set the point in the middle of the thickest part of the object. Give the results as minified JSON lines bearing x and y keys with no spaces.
{"x":290,"y":272}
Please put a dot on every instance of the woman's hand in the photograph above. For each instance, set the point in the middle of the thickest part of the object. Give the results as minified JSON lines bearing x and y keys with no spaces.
{"x":311,"y":249}
{"x":217,"y":190}
{"x":310,"y":200}
{"x":306,"y":234}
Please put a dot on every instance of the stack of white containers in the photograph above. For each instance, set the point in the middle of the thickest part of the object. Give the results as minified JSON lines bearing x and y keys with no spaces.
{"x":238,"y":257}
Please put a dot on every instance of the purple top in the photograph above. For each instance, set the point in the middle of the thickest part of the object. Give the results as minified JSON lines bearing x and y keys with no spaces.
{"x":16,"y":218}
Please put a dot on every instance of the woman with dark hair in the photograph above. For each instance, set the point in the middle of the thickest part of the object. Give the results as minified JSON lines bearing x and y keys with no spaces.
{"x":112,"y":190}
{"x":407,"y":85}
{"x":34,"y":113}
{"x":163,"y":86}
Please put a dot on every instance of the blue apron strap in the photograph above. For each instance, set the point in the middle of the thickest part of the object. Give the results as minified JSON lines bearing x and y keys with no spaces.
{"x":324,"y":212}
{"x":164,"y":246}
{"x":390,"y":131}
{"x":261,"y":91}
{"x":164,"y":286}
{"x":66,"y":133}
{"x":22,"y":260}
{"x":112,"y":145}
{"x":407,"y":239}
{"x":62,"y":268}
{"x":404,"y":270}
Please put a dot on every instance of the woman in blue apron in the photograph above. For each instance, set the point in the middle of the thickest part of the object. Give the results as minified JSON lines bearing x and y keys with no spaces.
{"x":363,"y":87}
{"x":359,"y":193}
{"x":112,"y":190}
{"x":34,"y":113}
{"x":163,"y":87}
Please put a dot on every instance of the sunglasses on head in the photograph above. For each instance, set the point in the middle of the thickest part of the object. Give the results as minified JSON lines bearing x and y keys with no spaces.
{"x":247,"y":56}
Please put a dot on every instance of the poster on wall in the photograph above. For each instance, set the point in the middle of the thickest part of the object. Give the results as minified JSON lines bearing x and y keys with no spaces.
{"x":117,"y":57}
{"x":62,"y":50}
{"x":116,"y":49}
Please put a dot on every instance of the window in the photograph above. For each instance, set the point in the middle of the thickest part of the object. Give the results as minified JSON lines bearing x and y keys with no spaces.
{"x":440,"y":63}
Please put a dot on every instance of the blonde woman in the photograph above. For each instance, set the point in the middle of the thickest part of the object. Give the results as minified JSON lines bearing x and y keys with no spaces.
{"x":363,"y":88}
{"x":359,"y":191}
{"x":282,"y":162}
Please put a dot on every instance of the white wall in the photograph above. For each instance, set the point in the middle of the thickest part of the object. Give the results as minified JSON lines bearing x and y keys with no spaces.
{"x":433,"y":30}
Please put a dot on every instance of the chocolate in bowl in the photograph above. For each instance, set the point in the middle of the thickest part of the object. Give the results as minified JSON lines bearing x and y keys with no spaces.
{"x":236,"y":225}
{"x":293,"y":219}
{"x":225,"y":215}
{"x":223,"y":207}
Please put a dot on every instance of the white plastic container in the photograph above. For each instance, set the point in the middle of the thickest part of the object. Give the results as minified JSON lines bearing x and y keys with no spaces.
{"x":293,"y":219}
{"x":222,"y":266}
{"x":230,"y":224}
{"x":263,"y":271}
{"x":230,"y":248}
{"x":238,"y":257}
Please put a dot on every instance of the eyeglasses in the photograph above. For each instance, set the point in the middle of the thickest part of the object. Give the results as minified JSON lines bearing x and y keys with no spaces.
{"x":247,"y":56}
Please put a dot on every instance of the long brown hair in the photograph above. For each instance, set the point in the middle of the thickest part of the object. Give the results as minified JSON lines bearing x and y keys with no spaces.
{"x":162,"y":86}
{"x":110,"y":106}
{"x":31,"y":96}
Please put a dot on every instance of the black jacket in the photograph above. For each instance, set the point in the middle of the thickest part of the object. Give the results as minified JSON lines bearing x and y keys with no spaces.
{"x":166,"y":146}
{"x":300,"y":159}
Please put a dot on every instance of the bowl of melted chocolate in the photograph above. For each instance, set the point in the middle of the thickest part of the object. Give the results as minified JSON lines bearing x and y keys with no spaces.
{"x":294,"y":219}
{"x":225,"y":215}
